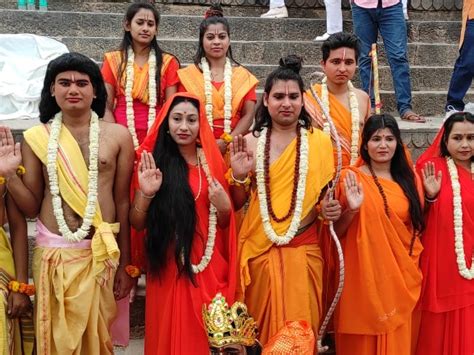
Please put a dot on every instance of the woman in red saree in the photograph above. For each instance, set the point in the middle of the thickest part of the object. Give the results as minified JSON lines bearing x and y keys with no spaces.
{"x":447,"y":298}
{"x":182,"y":199}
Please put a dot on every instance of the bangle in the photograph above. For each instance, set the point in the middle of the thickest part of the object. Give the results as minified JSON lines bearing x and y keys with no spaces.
{"x":146,"y":196}
{"x":226,"y":137}
{"x":21,"y":170}
{"x":229,"y":175}
{"x":138,"y":209}
{"x":133,"y":271}
{"x":431,"y":200}
{"x":21,"y":287}
{"x":3,"y":180}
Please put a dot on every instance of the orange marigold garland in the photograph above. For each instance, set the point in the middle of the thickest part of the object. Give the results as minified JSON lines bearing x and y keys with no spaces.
{"x":133,"y":271}
{"x":21,"y":287}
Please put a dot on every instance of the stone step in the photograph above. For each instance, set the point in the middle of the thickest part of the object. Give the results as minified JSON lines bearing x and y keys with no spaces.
{"x":263,"y":52}
{"x":242,"y":9}
{"x":77,"y":24}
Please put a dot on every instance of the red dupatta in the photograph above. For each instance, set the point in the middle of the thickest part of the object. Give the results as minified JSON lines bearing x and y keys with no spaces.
{"x":444,"y":289}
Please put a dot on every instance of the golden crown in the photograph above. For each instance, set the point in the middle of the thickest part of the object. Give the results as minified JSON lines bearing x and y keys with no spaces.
{"x":227,"y":326}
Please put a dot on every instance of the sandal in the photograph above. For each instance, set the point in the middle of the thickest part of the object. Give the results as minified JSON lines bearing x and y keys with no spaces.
{"x":411,"y":116}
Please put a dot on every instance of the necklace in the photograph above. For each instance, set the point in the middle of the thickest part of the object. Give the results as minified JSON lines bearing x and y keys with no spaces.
{"x":206,"y":71}
{"x":52,"y":166}
{"x":151,"y":92}
{"x":212,"y":229}
{"x":458,"y":221}
{"x":300,"y":190}
{"x":355,"y":116}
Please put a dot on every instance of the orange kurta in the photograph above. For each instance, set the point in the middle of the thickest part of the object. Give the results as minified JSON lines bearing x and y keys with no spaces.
{"x":110,"y":71}
{"x":467,"y":14}
{"x":268,"y":272}
{"x":382,"y":281}
{"x":243,"y":83}
{"x":342,"y":119}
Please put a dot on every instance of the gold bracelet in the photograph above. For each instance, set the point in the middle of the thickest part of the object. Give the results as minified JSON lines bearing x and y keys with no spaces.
{"x":138,"y":209}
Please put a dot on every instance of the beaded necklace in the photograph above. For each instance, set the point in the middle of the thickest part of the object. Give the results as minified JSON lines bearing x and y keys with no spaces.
{"x":296,"y":176}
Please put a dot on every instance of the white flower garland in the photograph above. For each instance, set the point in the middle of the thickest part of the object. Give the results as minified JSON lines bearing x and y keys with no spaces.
{"x":206,"y":71}
{"x":458,"y":224}
{"x":355,"y":116}
{"x":211,"y":234}
{"x":51,"y":166}
{"x":151,"y":92}
{"x":300,"y":190}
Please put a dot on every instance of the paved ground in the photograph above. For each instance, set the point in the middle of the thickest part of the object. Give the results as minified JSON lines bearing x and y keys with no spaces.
{"x":134,"y":348}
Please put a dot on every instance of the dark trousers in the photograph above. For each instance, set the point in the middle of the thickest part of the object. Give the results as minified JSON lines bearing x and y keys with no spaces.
{"x":463,"y":72}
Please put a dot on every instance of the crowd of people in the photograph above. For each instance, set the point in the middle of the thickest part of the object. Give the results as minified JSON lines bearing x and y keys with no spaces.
{"x":146,"y":167}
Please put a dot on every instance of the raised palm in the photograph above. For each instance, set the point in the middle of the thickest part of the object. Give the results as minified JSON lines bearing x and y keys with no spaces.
{"x":149,"y":177}
{"x":241,"y":159}
{"x":10,"y":153}
{"x":431,"y":180}
{"x":354,"y":191}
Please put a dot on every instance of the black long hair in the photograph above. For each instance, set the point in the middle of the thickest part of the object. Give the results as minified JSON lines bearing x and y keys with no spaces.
{"x":448,"y":127}
{"x":171,"y":218}
{"x":213,"y":16}
{"x":48,"y":106}
{"x":127,"y":41}
{"x":289,"y":69}
{"x":400,"y":169}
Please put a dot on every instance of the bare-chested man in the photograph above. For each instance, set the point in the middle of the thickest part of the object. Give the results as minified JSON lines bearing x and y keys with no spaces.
{"x":73,"y":161}
{"x":349,"y":107}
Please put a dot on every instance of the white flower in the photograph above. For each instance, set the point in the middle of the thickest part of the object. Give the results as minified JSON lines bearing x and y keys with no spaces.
{"x":212,"y":230}
{"x":206,"y":71}
{"x":52,"y":168}
{"x":151,"y":92}
{"x":355,"y":116}
{"x":458,"y":221}
{"x":300,"y":190}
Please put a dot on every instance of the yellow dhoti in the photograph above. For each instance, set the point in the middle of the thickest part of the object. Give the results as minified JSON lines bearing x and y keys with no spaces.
{"x":74,"y":281}
{"x":284,"y":283}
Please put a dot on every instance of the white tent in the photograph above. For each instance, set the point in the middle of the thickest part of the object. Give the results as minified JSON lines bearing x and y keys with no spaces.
{"x":23,"y":62}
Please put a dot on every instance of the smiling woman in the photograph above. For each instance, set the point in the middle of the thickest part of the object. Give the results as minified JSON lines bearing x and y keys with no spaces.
{"x":140,"y":76}
{"x":226,"y":88}
{"x":182,"y":199}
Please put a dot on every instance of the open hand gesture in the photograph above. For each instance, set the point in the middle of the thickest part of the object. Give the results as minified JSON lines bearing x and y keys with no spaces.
{"x":241,"y":159}
{"x":354,"y":191}
{"x":218,"y":197}
{"x":149,"y":177}
{"x":10,"y":153}
{"x":431,"y":180}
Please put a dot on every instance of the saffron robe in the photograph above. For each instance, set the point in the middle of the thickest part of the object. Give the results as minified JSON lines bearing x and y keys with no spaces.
{"x":111,"y":68}
{"x":74,"y":298}
{"x":342,"y":119}
{"x":447,"y":299}
{"x":268,"y":272}
{"x":173,"y":321}
{"x":243,"y":88}
{"x":16,"y":335}
{"x":382,"y":281}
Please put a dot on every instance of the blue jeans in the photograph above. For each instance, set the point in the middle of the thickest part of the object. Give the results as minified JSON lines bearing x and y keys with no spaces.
{"x":392,"y":26}
{"x":463,"y":71}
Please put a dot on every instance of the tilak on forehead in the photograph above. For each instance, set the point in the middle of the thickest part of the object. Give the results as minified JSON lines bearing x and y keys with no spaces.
{"x":344,"y":53}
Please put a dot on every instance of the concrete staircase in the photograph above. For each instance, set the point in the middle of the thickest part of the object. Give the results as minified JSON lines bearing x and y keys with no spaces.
{"x":93,"y":27}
